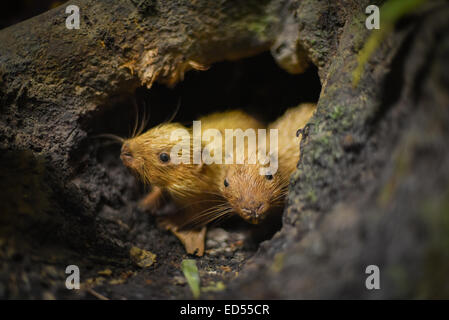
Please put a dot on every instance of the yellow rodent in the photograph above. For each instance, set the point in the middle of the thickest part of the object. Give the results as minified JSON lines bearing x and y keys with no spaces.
{"x":288,"y":142}
{"x":252,"y":195}
{"x":190,"y":185}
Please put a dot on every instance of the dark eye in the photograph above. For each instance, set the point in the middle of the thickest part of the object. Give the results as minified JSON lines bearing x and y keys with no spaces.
{"x":164,"y":157}
{"x":226,"y":183}
{"x":269,"y":176}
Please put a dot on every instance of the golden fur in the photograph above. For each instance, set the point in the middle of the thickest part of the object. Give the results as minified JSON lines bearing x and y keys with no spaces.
{"x":252,"y":195}
{"x":247,"y":192}
{"x":288,"y":143}
{"x":199,"y":189}
{"x":192,"y":186}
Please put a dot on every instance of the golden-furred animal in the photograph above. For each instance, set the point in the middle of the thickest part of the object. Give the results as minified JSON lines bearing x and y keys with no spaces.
{"x":253,"y":196}
{"x":288,"y":142}
{"x":190,"y":185}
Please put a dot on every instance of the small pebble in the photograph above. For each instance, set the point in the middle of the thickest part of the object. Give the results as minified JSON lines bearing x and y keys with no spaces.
{"x":220,"y":235}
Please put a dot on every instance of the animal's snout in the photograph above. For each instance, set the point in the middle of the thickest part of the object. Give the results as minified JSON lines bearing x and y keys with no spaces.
{"x":126,"y":154}
{"x":255,"y":210}
{"x":249,"y":212}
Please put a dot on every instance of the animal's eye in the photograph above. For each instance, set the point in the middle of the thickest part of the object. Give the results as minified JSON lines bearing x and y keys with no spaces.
{"x":269,"y":176}
{"x":164,"y":157}
{"x":226,"y":183}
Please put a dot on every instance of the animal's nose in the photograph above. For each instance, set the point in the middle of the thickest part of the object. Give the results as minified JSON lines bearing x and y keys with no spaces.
{"x":254,"y":210}
{"x":125,"y":154}
{"x":250,"y":212}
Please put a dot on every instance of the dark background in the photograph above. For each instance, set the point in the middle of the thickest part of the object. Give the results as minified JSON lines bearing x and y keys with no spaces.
{"x":12,"y":12}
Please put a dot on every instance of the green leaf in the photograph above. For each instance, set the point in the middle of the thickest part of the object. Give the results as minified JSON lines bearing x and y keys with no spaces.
{"x":192,"y":275}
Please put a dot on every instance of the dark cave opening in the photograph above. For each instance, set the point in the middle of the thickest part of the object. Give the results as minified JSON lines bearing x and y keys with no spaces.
{"x":256,"y":85}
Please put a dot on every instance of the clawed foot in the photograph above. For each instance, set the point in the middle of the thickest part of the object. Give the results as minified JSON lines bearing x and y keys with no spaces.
{"x":193,"y":239}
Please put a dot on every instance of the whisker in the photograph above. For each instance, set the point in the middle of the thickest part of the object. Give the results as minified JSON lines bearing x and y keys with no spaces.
{"x":282,"y":195}
{"x":219,"y":201}
{"x":109,"y":136}
{"x":136,"y":108}
{"x":169,"y":120}
{"x":224,"y":215}
{"x":212,"y":193}
{"x":146,"y":120}
{"x":142,"y":124}
{"x":208,"y":219}
{"x":210,"y":211}
{"x":222,"y":218}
